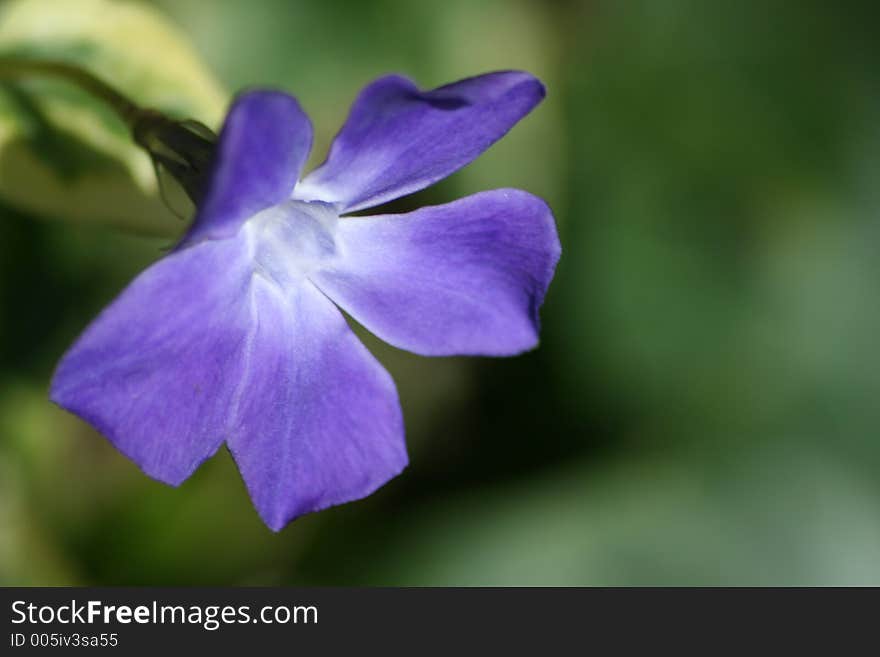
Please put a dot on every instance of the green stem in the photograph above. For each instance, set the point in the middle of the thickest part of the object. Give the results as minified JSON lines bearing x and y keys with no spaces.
{"x":184,"y":148}
{"x":128,"y":111}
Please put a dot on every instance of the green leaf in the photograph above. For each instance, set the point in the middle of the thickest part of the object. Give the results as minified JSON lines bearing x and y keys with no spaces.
{"x":63,"y":154}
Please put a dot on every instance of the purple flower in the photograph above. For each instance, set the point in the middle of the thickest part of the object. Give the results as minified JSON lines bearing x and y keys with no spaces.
{"x":235,"y":336}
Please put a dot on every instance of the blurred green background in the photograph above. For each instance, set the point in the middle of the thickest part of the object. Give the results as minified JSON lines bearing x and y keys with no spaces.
{"x":704,"y":405}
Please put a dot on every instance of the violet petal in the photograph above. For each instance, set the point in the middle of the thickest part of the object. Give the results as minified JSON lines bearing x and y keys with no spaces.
{"x":154,"y":371}
{"x":203,"y":348}
{"x":317,"y":421}
{"x":467,"y":277}
{"x":261,"y":150}
{"x":398,"y":139}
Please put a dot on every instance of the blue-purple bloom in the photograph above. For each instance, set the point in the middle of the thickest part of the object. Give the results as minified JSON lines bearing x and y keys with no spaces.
{"x":236,"y":336}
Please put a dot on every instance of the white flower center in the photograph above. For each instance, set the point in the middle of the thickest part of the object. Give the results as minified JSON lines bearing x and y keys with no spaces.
{"x":292,"y":239}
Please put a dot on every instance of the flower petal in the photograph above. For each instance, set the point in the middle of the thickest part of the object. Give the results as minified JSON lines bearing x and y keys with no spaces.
{"x":264,"y":143}
{"x":318,"y":421}
{"x":467,"y":277}
{"x":398,"y":140}
{"x":154,"y":372}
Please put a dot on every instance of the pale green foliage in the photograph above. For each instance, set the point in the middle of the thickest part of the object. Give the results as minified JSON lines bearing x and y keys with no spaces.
{"x":65,"y":156}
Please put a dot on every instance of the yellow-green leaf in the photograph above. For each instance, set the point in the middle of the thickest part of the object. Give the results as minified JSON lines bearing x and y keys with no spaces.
{"x":64,"y":155}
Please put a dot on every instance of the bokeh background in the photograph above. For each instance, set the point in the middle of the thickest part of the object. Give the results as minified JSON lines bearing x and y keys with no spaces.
{"x":703,"y":408}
